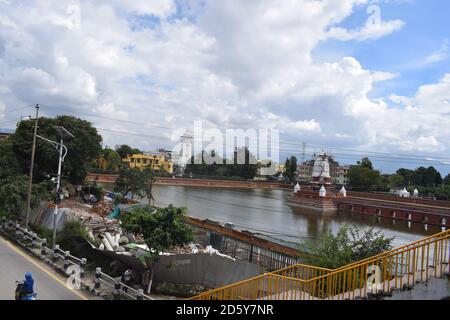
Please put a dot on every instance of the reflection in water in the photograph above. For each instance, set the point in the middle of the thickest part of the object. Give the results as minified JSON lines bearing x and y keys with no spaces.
{"x":267,"y":212}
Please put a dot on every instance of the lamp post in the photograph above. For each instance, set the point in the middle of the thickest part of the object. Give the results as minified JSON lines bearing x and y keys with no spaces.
{"x":62,"y":149}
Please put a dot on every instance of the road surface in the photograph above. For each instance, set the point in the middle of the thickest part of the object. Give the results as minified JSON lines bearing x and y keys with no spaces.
{"x":15,"y":263}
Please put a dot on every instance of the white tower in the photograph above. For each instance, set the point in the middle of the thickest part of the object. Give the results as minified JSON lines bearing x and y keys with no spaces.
{"x":185,"y":156}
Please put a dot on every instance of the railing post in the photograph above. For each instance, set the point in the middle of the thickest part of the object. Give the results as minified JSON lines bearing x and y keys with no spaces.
{"x":98,"y":276}
{"x":117,"y":287}
{"x":55,"y":253}
{"x":66,"y":260}
{"x":43,"y":247}
{"x":82,"y":267}
{"x":33,"y":241}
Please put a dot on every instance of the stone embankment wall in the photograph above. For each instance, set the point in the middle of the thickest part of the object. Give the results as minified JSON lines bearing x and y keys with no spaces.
{"x":111,"y":178}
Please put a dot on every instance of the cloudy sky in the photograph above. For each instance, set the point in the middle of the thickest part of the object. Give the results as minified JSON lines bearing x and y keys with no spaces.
{"x":371,"y":75}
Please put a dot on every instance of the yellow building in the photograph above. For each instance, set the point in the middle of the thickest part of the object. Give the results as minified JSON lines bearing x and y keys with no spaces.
{"x":156,"y":161}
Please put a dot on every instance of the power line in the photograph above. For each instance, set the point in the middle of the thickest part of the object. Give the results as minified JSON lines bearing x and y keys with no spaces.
{"x":354,"y":153}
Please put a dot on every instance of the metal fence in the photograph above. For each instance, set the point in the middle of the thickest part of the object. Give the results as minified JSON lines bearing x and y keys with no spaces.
{"x":400,"y":268}
{"x":28,"y":238}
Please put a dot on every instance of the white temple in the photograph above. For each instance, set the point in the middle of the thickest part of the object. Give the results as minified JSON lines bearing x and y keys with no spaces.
{"x":323,"y":192}
{"x":321,"y":170}
{"x":404,"y":193}
{"x":343,"y":192}
{"x":297,"y":188}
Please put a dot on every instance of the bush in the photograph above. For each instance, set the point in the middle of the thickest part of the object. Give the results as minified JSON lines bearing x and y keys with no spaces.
{"x":347,"y":246}
{"x":43,"y":232}
{"x":71,"y":236}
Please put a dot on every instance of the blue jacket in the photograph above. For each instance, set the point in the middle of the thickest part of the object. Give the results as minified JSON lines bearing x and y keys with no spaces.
{"x":28,"y":284}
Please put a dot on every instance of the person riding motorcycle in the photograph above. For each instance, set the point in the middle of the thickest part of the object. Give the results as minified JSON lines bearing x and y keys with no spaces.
{"x":25,"y":289}
{"x":28,"y":284}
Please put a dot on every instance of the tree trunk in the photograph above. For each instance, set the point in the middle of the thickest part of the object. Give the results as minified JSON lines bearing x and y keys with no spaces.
{"x":150,"y":283}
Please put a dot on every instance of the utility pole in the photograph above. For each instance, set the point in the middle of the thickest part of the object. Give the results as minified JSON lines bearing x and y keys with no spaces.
{"x":62,"y":131}
{"x":30,"y":183}
{"x":58,"y":191}
{"x":62,"y":150}
{"x":303,"y":152}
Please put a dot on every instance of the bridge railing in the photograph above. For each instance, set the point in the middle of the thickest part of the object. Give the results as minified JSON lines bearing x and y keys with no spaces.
{"x":118,"y":287}
{"x":396,"y":269}
{"x":31,"y":239}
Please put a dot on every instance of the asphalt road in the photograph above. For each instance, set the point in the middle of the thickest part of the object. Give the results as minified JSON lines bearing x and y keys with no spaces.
{"x":48,"y":285}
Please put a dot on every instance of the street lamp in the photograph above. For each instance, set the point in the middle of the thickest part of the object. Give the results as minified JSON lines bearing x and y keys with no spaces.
{"x":62,"y":149}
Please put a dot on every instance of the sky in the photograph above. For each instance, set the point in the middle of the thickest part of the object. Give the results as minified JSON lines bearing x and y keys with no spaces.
{"x":354,"y":77}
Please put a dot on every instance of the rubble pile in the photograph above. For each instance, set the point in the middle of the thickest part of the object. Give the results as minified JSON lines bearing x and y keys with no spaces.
{"x":107,"y":235}
{"x":102,"y":208}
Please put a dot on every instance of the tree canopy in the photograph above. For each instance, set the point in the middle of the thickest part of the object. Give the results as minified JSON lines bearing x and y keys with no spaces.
{"x":113,"y":159}
{"x":290,"y":168}
{"x":212,"y":165}
{"x":82,"y":149}
{"x":9,"y":165}
{"x":363,"y":177}
{"x":162,"y":228}
{"x":125,"y":150}
{"x":421,"y":177}
{"x":14,"y":193}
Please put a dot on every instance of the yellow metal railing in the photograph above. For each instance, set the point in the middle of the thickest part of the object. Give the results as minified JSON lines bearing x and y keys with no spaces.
{"x":395,"y":269}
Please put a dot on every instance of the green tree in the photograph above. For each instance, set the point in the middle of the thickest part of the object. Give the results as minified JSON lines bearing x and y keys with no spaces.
{"x":446,"y":180}
{"x":113,"y":159}
{"x":349,"y":245}
{"x":363,"y":177}
{"x":162,"y":230}
{"x":291,"y":168}
{"x":396,"y":181}
{"x":430,"y":177}
{"x":82,"y":149}
{"x":131,"y":181}
{"x":418,"y":177}
{"x":408,"y":176}
{"x":246,"y":170}
{"x":365,"y":163}
{"x":243,"y":165}
{"x":9,"y":165}
{"x":438,"y":181}
{"x":14,"y":193}
{"x":125,"y":150}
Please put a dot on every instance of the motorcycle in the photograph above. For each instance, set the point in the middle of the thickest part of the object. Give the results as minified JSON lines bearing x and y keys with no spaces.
{"x":19,"y":295}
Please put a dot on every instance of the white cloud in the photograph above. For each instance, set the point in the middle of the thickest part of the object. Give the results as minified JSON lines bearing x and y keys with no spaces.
{"x":440,"y":55}
{"x":420,"y":126}
{"x":238,"y":64}
{"x":158,"y":8}
{"x":2,"y":110}
{"x":368,"y":32}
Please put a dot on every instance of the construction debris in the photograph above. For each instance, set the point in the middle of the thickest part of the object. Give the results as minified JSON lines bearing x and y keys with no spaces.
{"x":107,"y":235}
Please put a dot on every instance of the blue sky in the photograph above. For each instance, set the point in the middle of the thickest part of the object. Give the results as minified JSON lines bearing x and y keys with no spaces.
{"x":144,"y":71}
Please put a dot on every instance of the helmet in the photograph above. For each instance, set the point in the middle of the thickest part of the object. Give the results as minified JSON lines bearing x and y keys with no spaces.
{"x":28,"y":275}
